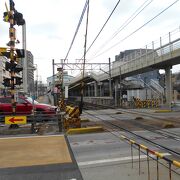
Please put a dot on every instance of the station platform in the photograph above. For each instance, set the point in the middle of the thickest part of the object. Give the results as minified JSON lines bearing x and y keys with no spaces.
{"x":42,"y":157}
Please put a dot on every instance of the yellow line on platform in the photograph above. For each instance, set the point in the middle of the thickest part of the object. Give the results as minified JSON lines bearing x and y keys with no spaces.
{"x":163,"y":111}
{"x":85,"y":120}
{"x":85,"y":130}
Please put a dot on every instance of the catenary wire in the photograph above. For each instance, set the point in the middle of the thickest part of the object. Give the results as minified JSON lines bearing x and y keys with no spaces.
{"x":77,"y":29}
{"x":103,"y":26}
{"x":136,"y":29}
{"x":125,"y":24}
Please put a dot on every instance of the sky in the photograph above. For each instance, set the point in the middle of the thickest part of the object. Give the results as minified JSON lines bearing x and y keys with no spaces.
{"x":50,"y":27}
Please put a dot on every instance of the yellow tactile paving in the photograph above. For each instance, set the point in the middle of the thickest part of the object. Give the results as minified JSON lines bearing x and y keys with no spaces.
{"x":20,"y":152}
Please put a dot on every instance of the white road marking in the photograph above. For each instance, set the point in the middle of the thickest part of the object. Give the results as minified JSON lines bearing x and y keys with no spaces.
{"x":30,"y":137}
{"x":115,"y":160}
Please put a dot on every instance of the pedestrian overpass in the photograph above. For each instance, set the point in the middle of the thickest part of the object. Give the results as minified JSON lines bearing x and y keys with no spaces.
{"x":162,"y":57}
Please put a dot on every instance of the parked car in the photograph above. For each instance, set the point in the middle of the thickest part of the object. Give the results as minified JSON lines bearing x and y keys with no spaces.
{"x":24,"y":106}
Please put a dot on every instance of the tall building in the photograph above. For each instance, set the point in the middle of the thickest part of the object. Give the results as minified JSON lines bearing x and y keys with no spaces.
{"x":3,"y":73}
{"x":29,"y":69}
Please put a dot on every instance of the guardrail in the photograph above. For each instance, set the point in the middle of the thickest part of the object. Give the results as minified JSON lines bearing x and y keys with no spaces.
{"x":158,"y":51}
{"x":35,"y":122}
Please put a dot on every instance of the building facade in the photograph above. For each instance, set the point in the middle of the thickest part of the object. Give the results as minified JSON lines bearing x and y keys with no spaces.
{"x":29,"y":69}
{"x":30,"y":73}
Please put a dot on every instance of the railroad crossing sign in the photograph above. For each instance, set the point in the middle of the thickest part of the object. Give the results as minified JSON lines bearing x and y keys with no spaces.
{"x":15,"y":120}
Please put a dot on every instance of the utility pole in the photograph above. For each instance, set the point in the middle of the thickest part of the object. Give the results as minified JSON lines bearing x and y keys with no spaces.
{"x":60,"y":87}
{"x":110,"y":85}
{"x":12,"y":36}
{"x":13,"y":17}
{"x":24,"y":59}
{"x":53,"y":81}
{"x":84,"y":62}
{"x":120,"y":88}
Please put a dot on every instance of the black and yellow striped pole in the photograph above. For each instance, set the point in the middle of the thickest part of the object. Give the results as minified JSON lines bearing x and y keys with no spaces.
{"x":13,"y":17}
{"x":12,"y":36}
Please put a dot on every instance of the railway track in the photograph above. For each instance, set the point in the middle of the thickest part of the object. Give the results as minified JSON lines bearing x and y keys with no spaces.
{"x":114,"y":125}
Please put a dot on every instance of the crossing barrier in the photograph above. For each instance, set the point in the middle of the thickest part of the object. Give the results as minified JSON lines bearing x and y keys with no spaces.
{"x":62,"y":105}
{"x":149,"y":103}
{"x":72,"y":119}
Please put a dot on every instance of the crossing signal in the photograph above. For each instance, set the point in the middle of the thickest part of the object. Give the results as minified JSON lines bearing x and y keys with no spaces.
{"x":20,"y":53}
{"x":6,"y":17}
{"x":7,"y":82}
{"x":12,"y":66}
{"x":12,"y":4}
{"x":18,"y":81}
{"x":18,"y":18}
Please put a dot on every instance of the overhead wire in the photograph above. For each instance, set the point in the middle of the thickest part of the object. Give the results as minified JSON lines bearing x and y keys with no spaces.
{"x":103,"y":26}
{"x":137,"y":29}
{"x":125,"y":24}
{"x":77,"y":29}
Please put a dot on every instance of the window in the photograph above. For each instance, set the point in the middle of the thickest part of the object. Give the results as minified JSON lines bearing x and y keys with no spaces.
{"x":21,"y":101}
{"x":5,"y":100}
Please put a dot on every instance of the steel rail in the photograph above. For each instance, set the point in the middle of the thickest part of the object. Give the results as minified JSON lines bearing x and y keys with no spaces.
{"x":139,"y":136}
{"x":154,"y":130}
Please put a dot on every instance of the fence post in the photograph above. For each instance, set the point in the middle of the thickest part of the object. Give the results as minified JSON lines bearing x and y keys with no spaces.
{"x":139,"y":159}
{"x":170,"y":175}
{"x":148,"y":164}
{"x":157,"y":167}
{"x":132,"y":154}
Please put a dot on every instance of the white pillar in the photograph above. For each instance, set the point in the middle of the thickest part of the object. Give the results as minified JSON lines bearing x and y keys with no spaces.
{"x":24,"y":59}
{"x":116,"y":92}
{"x":95,"y":89}
{"x":168,"y":86}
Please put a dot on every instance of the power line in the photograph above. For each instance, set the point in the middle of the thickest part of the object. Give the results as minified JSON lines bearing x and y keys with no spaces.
{"x":137,"y":29}
{"x":126,"y":23}
{"x":79,"y":23}
{"x":103,"y":25}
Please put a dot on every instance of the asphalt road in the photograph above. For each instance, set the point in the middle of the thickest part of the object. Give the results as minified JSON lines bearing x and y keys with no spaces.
{"x":102,"y":156}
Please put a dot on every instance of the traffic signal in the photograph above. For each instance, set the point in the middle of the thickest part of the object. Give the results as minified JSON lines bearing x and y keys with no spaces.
{"x":18,"y":18}
{"x":6,"y":17}
{"x":12,"y":4}
{"x":7,"y":82}
{"x":20,"y":53}
{"x":18,"y":81}
{"x":12,"y":66}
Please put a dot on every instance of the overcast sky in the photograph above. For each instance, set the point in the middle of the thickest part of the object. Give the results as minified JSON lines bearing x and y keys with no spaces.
{"x":51,"y":25}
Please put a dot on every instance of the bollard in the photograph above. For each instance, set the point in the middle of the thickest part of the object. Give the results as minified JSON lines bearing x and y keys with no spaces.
{"x":170,"y":175}
{"x":139,"y":160}
{"x":73,"y":120}
{"x":132,"y":154}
